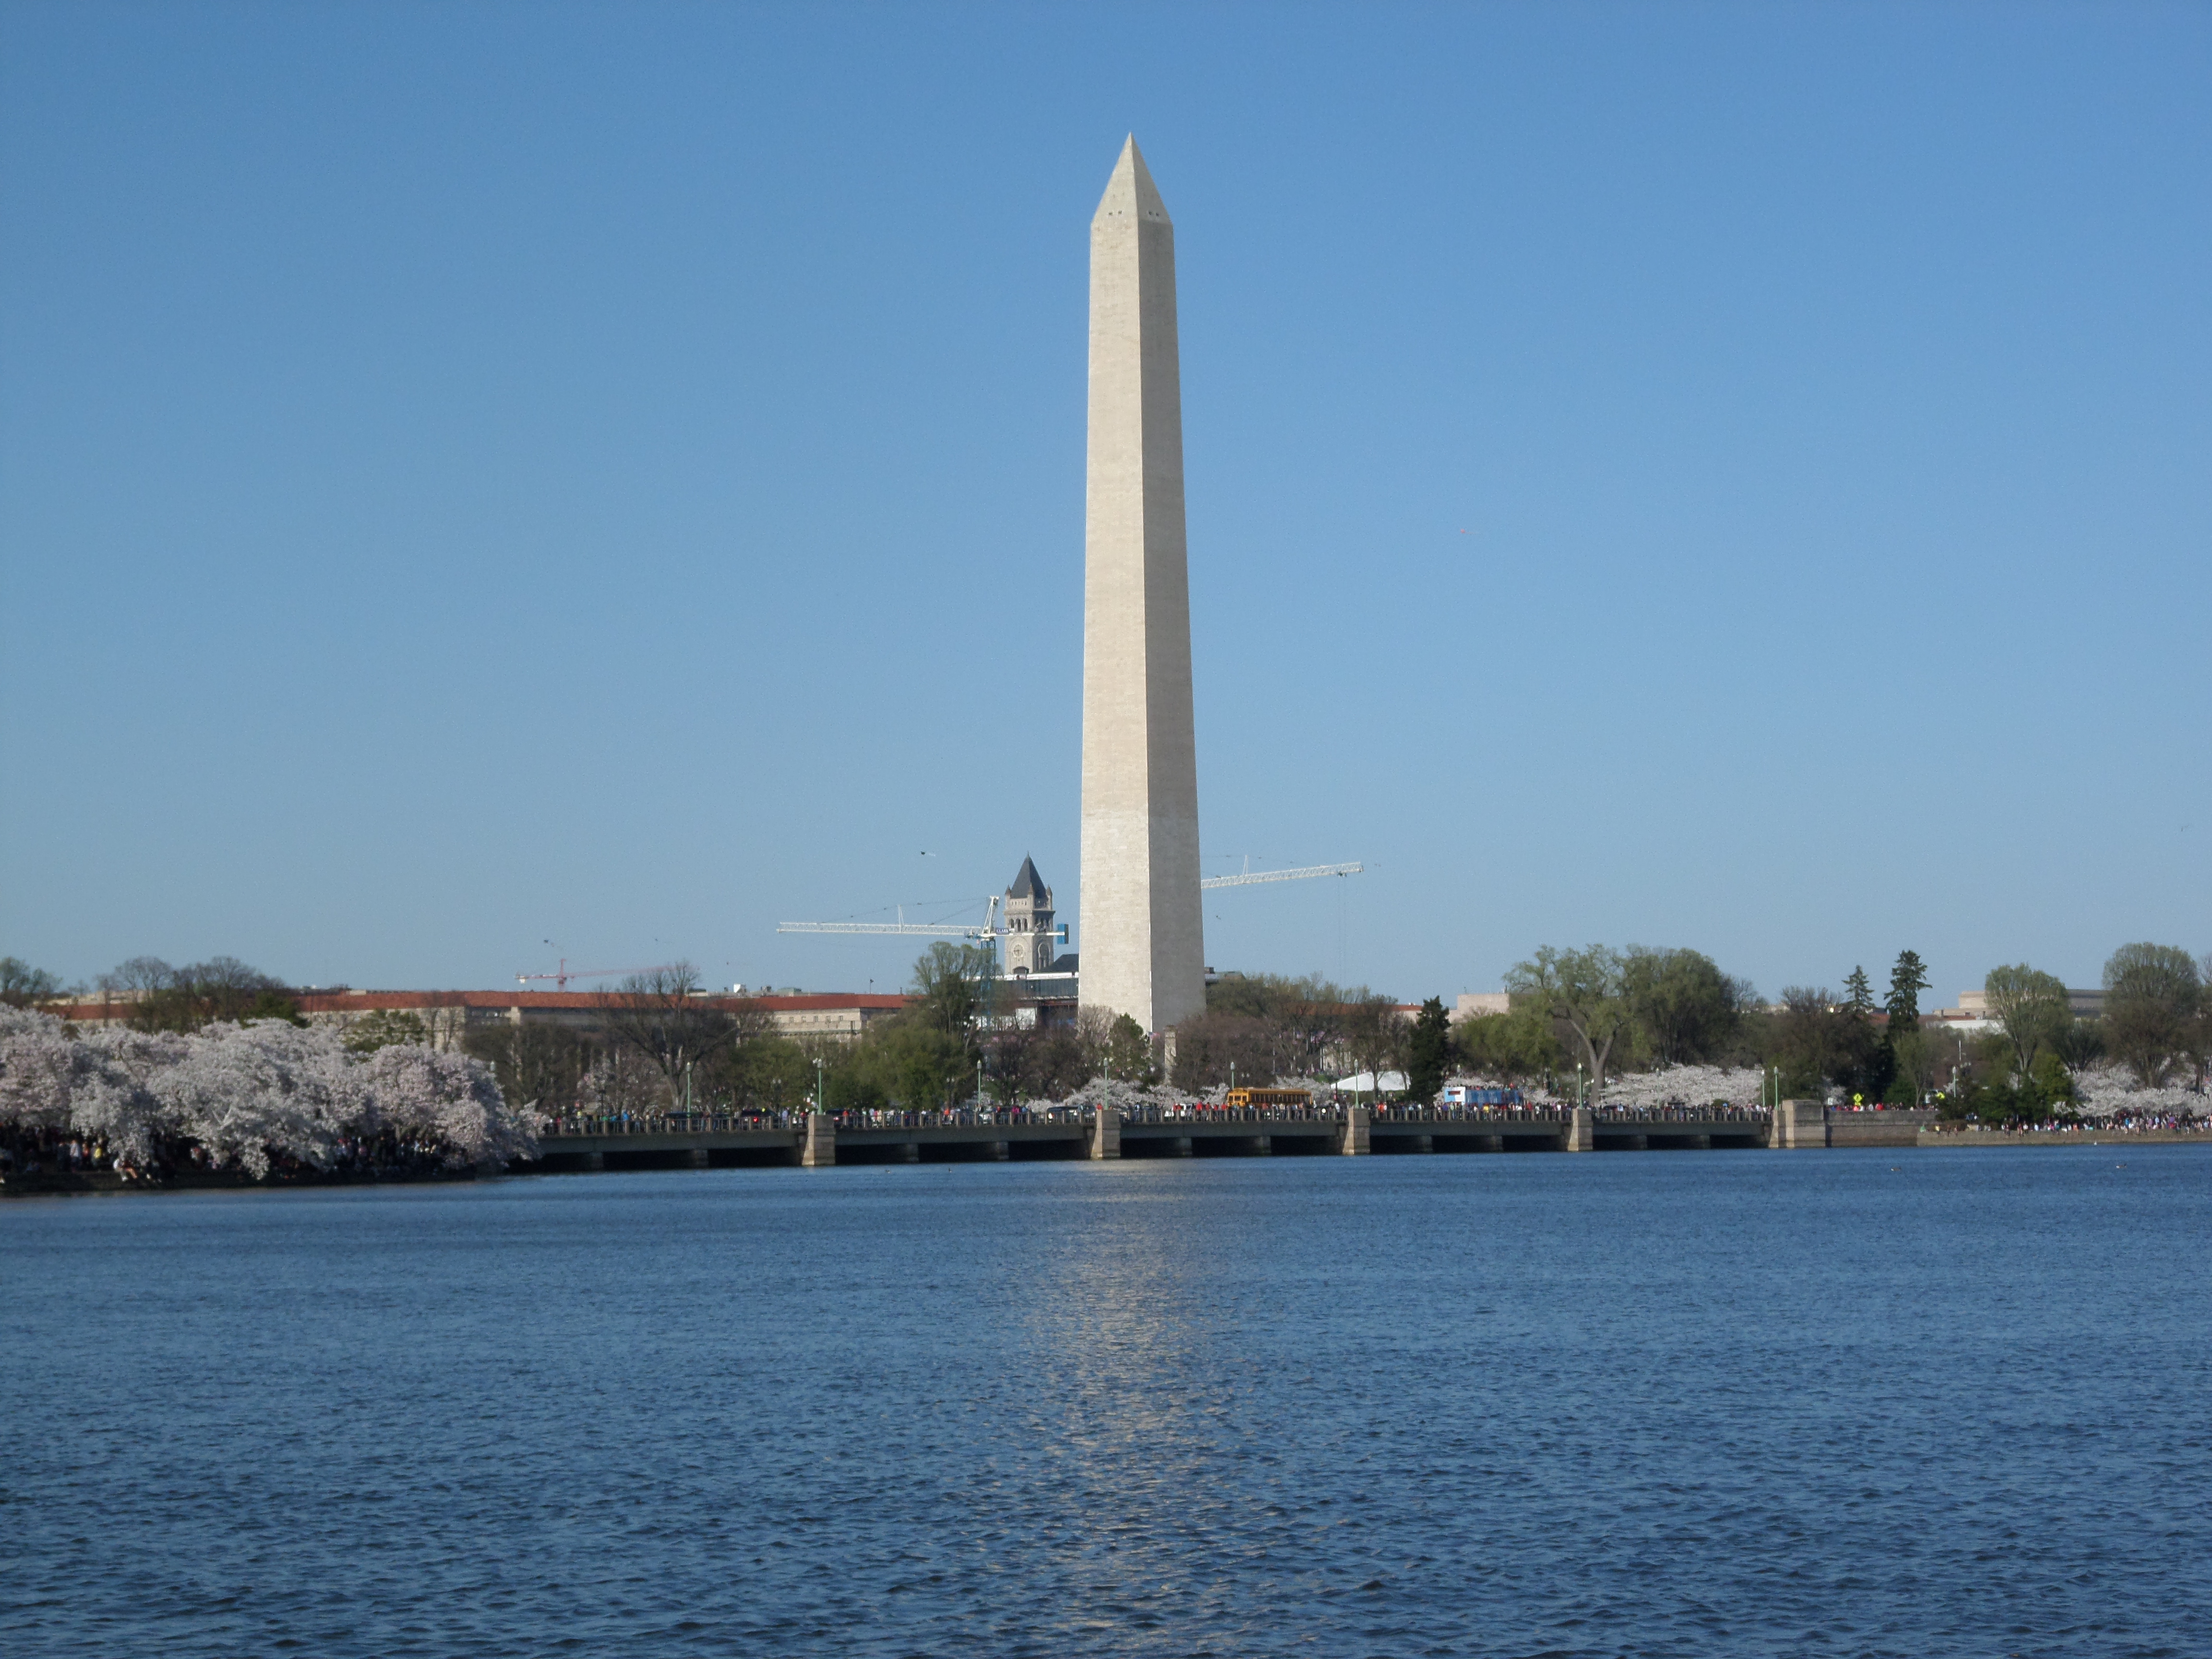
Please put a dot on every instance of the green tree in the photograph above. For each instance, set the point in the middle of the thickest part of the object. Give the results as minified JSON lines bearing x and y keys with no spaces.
{"x":923,"y":1068}
{"x":2050,"y":1085}
{"x":1810,"y":1042}
{"x":768,"y":1071}
{"x":2152,"y":995}
{"x":1907,"y":980}
{"x":1863,"y":1062}
{"x":925,"y":1057}
{"x":1513,"y":1047}
{"x":1128,"y":1055}
{"x":1858,"y":994}
{"x":1907,"y":1057}
{"x":1585,"y":993}
{"x":2079,"y":1044}
{"x":954,"y":984}
{"x":1686,"y":1009}
{"x":1428,"y":1053}
{"x":852,"y":1087}
{"x":2030,"y":1007}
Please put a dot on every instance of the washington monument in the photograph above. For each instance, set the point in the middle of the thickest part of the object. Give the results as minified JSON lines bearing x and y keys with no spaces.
{"x":1143,"y":951}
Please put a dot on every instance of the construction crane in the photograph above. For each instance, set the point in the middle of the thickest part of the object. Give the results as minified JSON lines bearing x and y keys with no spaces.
{"x":567,"y":972}
{"x":1249,"y":877}
{"x":990,"y":929}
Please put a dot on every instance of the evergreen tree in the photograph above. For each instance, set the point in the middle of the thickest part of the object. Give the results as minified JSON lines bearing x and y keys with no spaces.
{"x":1861,"y":1000}
{"x":1867,"y":1061}
{"x":1906,"y":982}
{"x":1428,"y":1053}
{"x":1128,"y":1052}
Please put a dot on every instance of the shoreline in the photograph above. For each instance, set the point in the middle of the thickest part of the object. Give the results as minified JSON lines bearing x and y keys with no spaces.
{"x":87,"y":1183}
{"x":91,"y":1183}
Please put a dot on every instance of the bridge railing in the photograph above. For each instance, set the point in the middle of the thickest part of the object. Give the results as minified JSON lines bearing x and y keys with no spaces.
{"x":1198,"y":1112}
{"x":1553,"y":1112}
{"x":1681,"y":1112}
{"x":668,"y":1123}
{"x":1494,"y":1118}
{"x":1506,"y":1115}
{"x":962,"y":1117}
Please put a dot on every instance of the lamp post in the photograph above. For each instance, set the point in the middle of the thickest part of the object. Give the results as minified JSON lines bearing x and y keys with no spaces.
{"x":821,"y":1099}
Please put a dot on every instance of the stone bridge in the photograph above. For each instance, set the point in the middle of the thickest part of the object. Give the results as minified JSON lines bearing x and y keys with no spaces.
{"x":814,"y":1139}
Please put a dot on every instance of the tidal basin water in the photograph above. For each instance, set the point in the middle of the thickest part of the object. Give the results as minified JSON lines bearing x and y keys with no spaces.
{"x":1910,"y":1403}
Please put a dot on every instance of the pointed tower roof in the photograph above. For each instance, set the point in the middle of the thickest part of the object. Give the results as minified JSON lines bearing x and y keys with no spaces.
{"x":1130,"y":192}
{"x":1028,"y":884}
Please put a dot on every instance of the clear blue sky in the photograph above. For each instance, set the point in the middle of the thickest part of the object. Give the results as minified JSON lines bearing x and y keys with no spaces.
{"x":1737,"y":477}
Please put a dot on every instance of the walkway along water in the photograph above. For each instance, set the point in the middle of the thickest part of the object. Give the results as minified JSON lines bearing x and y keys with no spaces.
{"x":816,"y":1139}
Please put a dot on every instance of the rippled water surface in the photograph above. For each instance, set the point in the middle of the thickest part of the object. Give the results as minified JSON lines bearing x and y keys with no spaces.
{"x":1941,"y":1402}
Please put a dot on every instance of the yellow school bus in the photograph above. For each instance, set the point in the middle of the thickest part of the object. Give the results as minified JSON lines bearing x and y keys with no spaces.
{"x":1269,"y":1097}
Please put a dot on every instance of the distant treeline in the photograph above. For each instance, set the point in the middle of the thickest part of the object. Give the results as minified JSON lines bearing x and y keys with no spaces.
{"x":1575,"y":1017}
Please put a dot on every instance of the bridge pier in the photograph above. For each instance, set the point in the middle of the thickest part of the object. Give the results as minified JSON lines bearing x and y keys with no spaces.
{"x":1355,"y":1138}
{"x":695,"y":1158}
{"x":909,"y":1153}
{"x":1582,"y":1134}
{"x":1106,"y":1133}
{"x":820,"y":1150}
{"x":595,"y":1161}
{"x":1799,"y":1124}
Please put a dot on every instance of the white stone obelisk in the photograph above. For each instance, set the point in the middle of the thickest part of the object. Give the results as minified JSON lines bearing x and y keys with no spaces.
{"x":1142,"y":950}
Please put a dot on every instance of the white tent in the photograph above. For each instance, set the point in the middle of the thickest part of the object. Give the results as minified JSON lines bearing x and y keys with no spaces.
{"x":1363,"y":1082}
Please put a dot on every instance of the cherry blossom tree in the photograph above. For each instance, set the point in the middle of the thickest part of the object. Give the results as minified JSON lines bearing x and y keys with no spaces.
{"x":245,"y":1091}
{"x":38,"y":1070}
{"x":450,"y":1099}
{"x":248,"y":1095}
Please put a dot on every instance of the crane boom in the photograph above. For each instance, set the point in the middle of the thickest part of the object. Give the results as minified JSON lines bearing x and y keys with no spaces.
{"x":1250,"y":877}
{"x":568,"y":973}
{"x":989,"y":929}
{"x":927,"y":930}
